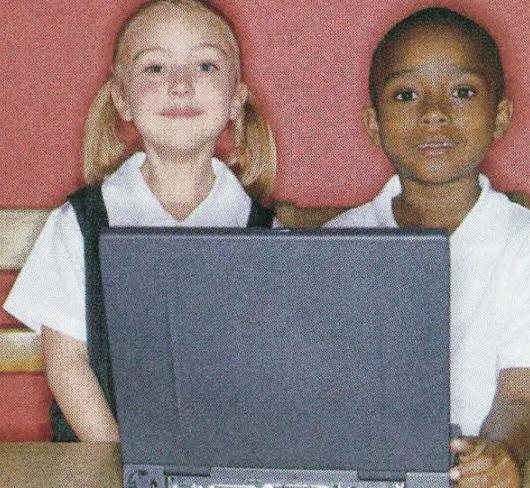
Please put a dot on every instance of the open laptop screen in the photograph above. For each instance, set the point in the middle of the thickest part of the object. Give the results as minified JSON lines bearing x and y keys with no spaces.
{"x":275,"y":349}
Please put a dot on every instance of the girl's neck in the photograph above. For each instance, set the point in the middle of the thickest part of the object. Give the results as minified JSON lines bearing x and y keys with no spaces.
{"x":179,"y":180}
{"x":441,"y":206}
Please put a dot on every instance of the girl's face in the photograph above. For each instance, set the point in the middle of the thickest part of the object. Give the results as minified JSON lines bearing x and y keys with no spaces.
{"x":178,"y":78}
{"x":437,"y":112}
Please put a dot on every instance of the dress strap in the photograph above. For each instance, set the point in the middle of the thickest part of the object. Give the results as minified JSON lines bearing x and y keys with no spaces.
{"x":260,"y":216}
{"x":91,"y":215}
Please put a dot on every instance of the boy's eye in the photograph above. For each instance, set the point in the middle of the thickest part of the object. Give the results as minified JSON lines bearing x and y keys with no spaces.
{"x":406,"y":96}
{"x":206,"y":67}
{"x":463,"y":92}
{"x":154,"y":68}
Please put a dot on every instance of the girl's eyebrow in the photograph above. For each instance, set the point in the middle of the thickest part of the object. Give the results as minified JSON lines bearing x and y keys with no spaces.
{"x":204,"y":45}
{"x":209,"y":45}
{"x":147,"y":50}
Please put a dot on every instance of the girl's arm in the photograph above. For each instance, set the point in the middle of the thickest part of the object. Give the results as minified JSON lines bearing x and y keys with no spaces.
{"x":76,"y":388}
{"x":504,"y":443}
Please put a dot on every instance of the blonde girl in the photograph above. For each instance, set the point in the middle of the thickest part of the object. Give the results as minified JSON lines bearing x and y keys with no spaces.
{"x":176,"y":76}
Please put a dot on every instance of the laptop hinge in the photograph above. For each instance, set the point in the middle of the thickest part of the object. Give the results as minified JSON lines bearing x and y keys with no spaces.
{"x":381,"y":476}
{"x":143,"y":476}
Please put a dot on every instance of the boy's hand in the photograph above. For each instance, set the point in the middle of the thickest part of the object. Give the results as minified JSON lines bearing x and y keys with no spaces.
{"x":483,"y":464}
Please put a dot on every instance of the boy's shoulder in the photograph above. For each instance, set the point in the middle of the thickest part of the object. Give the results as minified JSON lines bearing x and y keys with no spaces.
{"x":496,"y":227}
{"x":506,"y":214}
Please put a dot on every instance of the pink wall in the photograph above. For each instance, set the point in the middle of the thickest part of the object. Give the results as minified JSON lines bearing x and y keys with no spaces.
{"x":306,"y":61}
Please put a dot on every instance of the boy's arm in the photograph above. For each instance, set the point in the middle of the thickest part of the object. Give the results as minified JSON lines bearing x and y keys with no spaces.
{"x":295,"y":217}
{"x":504,"y":443}
{"x":509,"y":418}
{"x":76,"y":388}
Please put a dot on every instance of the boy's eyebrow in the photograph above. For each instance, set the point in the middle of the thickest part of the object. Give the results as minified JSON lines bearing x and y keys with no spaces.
{"x":452,"y":70}
{"x":397,"y":74}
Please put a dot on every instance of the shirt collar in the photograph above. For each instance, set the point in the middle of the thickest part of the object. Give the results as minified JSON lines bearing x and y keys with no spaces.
{"x":393,"y":188}
{"x":131,"y":202}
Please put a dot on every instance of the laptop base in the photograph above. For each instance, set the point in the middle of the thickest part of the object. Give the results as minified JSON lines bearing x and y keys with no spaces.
{"x":145,"y":476}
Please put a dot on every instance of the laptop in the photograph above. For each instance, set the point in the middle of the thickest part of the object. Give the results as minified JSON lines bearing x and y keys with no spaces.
{"x":279,"y":359}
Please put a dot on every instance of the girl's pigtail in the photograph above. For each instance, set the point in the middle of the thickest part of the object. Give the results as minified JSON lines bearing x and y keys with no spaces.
{"x":254,"y":154}
{"x":102,"y":150}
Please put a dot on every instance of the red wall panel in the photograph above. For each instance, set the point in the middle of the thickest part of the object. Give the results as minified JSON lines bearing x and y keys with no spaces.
{"x":306,"y":61}
{"x":24,"y":404}
{"x":7,"y":278}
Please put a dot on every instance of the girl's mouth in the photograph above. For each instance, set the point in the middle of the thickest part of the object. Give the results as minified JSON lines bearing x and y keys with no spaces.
{"x":181,"y":113}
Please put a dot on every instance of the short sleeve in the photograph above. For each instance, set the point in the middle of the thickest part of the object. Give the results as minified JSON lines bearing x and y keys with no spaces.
{"x":50,"y":288}
{"x":514,"y":335}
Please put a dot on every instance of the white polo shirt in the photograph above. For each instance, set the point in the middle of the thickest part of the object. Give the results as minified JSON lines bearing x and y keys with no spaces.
{"x":490,"y":293}
{"x":50,"y":288}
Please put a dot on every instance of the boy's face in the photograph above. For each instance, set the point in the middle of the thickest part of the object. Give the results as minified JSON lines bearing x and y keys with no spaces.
{"x":437,"y":113}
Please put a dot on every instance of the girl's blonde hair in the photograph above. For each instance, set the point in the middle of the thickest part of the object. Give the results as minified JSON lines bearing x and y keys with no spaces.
{"x":253,"y":158}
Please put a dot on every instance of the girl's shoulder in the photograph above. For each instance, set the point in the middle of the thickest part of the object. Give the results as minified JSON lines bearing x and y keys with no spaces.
{"x":62,"y":225}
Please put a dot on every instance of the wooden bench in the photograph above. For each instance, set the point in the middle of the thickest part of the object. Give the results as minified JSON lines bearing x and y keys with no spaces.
{"x":25,"y":399}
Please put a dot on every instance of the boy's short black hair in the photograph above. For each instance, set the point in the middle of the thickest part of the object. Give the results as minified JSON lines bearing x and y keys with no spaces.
{"x":439,"y":16}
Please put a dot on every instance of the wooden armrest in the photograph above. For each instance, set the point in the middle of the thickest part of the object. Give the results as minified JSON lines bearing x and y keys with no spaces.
{"x":19,"y":229}
{"x":296,"y":217}
{"x":519,"y":197}
{"x":20,"y":351}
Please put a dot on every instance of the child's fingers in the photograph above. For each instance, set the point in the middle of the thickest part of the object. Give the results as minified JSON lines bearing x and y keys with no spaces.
{"x":481,"y":464}
{"x":490,"y":480}
{"x":488,"y":465}
{"x":478,"y":481}
{"x":468,"y":448}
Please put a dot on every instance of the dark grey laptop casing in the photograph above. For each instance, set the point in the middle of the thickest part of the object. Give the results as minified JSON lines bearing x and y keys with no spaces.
{"x":269,"y":349}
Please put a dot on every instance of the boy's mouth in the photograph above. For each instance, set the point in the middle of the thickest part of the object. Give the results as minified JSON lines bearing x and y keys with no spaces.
{"x":436,"y":148}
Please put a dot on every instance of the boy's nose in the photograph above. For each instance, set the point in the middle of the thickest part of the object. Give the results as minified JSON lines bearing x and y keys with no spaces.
{"x":434,"y":116}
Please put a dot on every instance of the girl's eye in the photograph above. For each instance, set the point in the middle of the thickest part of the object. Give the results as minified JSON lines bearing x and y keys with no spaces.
{"x":406,"y":96}
{"x":154,"y":69}
{"x":206,"y":67}
{"x":463,"y":92}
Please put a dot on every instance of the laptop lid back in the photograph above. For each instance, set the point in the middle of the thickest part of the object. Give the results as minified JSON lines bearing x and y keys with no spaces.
{"x":273,"y":349}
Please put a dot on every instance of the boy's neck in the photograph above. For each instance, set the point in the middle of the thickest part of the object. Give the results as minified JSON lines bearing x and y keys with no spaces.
{"x":442,"y":206}
{"x":180,"y":181}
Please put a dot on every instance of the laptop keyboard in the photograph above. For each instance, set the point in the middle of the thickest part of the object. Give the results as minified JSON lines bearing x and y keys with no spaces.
{"x":173,"y":483}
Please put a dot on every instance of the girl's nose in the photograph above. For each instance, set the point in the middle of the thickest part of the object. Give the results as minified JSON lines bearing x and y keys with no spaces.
{"x":181,"y":83}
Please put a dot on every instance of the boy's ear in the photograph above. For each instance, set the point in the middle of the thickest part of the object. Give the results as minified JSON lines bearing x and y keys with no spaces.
{"x":118,"y":98}
{"x":371,"y":125}
{"x":503,"y":119}
{"x":238,"y":100}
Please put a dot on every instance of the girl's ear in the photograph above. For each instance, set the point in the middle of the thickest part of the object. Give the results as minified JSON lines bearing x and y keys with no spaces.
{"x":503,"y":119}
{"x":371,"y":125}
{"x":121,"y":104}
{"x":238,"y":100}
